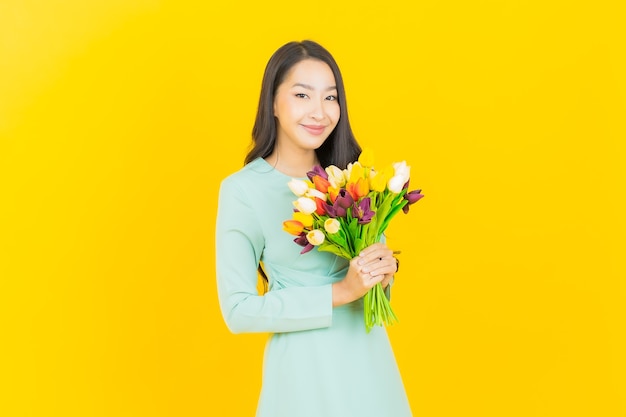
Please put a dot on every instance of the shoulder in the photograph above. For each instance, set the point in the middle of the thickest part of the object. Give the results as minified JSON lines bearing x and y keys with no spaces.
{"x":253,"y":177}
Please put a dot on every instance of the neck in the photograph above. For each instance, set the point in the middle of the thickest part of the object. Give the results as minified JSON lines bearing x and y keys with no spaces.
{"x":294,"y":164}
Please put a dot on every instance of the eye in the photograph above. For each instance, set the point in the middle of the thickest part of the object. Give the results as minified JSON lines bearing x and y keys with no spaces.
{"x":331,"y":98}
{"x":301,"y":95}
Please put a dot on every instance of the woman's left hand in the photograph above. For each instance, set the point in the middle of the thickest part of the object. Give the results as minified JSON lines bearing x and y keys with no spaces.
{"x":377,"y":259}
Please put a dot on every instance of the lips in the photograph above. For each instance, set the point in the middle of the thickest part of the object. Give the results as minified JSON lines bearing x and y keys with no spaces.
{"x":314,"y":129}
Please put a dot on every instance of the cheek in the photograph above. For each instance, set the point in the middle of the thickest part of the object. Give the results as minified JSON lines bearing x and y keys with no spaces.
{"x":335,"y":114}
{"x":291,"y":109}
{"x":332,"y":109}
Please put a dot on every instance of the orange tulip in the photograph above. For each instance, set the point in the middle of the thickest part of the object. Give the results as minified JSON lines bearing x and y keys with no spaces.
{"x":333,"y":192}
{"x":321,"y":184}
{"x":358,"y":189}
{"x":293,"y":227}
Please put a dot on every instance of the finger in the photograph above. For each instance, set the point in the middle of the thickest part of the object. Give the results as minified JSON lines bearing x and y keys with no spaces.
{"x":380,"y":265}
{"x":377,"y":254}
{"x":375,"y":279}
{"x":385,"y":282}
{"x":368,"y":281}
{"x":382,"y":271}
{"x":373,"y":248}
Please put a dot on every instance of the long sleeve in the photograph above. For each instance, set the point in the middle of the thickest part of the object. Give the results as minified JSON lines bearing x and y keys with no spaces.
{"x":239,"y":245}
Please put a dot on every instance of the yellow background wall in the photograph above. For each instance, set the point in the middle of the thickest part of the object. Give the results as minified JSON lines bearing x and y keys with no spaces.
{"x":118,"y":119}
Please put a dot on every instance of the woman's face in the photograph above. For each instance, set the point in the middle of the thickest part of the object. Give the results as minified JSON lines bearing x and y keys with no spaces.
{"x":305,"y":106}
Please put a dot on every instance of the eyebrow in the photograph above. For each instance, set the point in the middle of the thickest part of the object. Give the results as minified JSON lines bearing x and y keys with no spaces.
{"x":308,"y":87}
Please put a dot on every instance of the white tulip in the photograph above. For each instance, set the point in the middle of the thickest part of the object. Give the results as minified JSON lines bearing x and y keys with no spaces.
{"x":335,"y":176}
{"x":298,"y":187}
{"x":402,"y":170}
{"x":332,"y":226}
{"x":305,"y":205}
{"x":312,"y":192}
{"x":396,"y":184}
{"x":347,"y":171}
{"x":315,"y":237}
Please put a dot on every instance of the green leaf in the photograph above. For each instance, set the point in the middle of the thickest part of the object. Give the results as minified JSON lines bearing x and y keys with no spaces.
{"x":338,"y":239}
{"x":395,"y":210}
{"x":337,"y":250}
{"x":359,"y":245}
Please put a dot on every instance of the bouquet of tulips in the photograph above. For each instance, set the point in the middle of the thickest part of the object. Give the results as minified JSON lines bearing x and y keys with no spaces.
{"x":344,"y":211}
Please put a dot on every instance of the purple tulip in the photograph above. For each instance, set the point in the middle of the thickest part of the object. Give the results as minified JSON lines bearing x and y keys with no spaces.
{"x":307,"y":248}
{"x":317,"y":170}
{"x":339,"y":207}
{"x":412,"y":197}
{"x":344,"y":199}
{"x":335,"y":210}
{"x":302,"y":241}
{"x":362,"y":211}
{"x":330,"y":210}
{"x":341,"y":212}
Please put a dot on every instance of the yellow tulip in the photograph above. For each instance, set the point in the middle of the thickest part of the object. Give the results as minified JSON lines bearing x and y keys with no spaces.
{"x":367,"y":157}
{"x":378,"y":181}
{"x":305,"y":219}
{"x":357,"y":171}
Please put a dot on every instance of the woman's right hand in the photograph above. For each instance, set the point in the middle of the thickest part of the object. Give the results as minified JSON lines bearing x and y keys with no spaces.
{"x":374,"y":264}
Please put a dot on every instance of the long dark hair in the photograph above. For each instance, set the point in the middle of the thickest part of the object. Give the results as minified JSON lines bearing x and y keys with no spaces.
{"x":340,"y":148}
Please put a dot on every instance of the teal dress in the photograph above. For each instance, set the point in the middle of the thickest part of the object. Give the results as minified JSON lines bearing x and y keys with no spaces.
{"x":319,"y":361}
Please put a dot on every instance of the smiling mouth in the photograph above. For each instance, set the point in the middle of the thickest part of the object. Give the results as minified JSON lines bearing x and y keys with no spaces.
{"x":314,"y":129}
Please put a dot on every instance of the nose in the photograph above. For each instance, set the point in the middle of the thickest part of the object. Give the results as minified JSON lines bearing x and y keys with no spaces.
{"x":317,"y":110}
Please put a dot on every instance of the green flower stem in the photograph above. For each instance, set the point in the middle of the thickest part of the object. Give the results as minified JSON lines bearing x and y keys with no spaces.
{"x":376,"y":308}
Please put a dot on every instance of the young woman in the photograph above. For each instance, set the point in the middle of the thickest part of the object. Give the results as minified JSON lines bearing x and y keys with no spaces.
{"x":319,"y":360}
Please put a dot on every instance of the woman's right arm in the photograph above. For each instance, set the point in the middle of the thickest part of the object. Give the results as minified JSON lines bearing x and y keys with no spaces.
{"x":239,"y":244}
